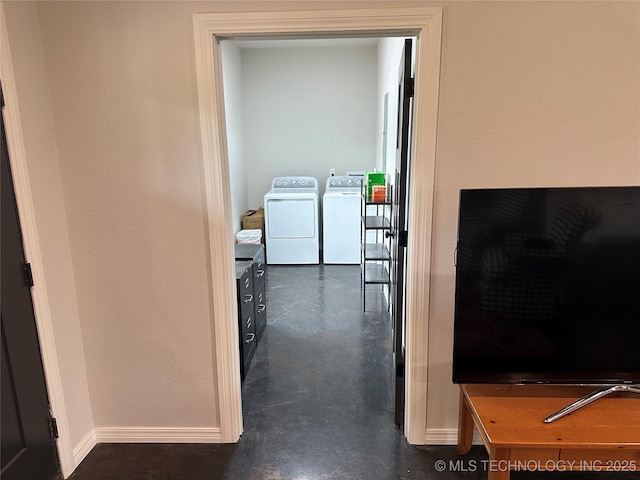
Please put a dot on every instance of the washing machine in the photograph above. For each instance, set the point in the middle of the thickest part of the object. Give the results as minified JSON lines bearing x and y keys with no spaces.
{"x":292,"y":221}
{"x":341,"y":204}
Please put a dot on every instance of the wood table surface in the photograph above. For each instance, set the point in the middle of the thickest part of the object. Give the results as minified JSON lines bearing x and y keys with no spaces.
{"x":510,"y":419}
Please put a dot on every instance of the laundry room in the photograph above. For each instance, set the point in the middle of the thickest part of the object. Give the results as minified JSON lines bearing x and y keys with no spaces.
{"x":310,"y":122}
{"x":311,"y":125}
{"x":307,"y":108}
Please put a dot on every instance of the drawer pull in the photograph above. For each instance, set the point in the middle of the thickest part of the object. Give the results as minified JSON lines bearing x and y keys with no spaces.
{"x":261,"y":308}
{"x":247,"y":298}
{"x":246,"y":283}
{"x":249,"y":338}
{"x":249,"y":322}
{"x":259,"y":273}
{"x":259,"y":263}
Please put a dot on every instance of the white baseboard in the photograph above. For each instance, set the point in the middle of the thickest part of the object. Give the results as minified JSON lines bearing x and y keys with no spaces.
{"x":446,"y":436}
{"x":158,"y":435}
{"x":83,"y":448}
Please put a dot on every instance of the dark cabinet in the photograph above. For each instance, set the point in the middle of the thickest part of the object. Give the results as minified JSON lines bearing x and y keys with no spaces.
{"x":246,"y":314}
{"x":252,"y":299}
{"x":255,"y":254}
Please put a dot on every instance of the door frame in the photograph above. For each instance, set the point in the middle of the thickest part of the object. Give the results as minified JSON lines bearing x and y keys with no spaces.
{"x":209,"y":29}
{"x":19,"y":171}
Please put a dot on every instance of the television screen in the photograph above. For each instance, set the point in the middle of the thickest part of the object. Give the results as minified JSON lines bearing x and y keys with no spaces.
{"x":548,"y":286}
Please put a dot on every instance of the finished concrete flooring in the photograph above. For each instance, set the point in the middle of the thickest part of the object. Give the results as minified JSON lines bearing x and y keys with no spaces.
{"x":317,"y":401}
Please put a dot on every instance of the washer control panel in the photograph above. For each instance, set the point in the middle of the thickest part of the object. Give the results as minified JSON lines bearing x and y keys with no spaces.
{"x":344,"y":182}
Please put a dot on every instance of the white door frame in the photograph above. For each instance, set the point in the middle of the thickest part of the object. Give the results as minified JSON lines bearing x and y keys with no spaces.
{"x":209,"y":29}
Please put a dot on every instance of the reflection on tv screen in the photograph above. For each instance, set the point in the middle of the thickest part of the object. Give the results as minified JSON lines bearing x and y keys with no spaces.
{"x":548,"y":286}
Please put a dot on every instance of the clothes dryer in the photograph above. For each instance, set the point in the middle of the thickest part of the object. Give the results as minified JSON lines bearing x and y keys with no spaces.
{"x":341,"y":213}
{"x":292,"y":220}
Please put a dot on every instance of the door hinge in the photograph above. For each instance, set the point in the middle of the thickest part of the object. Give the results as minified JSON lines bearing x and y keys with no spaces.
{"x":28,"y":274}
{"x":53,"y":427}
{"x":409,"y":87}
{"x":403,"y":238}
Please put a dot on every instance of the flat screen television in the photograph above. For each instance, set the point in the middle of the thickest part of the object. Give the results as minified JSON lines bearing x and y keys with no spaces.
{"x":548,"y":286}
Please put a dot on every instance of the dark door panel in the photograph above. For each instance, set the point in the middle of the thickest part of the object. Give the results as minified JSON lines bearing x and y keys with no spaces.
{"x":28,"y":449}
{"x":399,"y":225}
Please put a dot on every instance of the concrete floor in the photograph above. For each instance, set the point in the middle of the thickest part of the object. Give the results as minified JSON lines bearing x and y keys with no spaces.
{"x":317,"y":401}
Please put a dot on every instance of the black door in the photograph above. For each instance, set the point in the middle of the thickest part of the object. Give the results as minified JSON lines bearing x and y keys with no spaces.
{"x":399,"y":225}
{"x":28,"y":450}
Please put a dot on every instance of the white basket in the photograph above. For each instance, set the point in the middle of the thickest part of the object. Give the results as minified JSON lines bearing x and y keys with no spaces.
{"x":249,"y":236}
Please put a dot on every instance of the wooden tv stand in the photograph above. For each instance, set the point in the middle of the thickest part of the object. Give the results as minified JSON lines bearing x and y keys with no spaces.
{"x":604,"y":436}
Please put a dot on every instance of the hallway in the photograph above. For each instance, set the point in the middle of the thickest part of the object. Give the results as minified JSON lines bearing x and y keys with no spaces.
{"x":318,"y":401}
{"x":318,"y":398}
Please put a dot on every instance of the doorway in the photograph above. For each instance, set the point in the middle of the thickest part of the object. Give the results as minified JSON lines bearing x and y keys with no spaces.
{"x":305,"y":107}
{"x":426,"y":25}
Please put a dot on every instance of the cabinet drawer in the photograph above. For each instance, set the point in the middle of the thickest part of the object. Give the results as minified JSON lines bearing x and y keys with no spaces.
{"x":259,"y":276}
{"x":248,"y":324}
{"x":248,"y":348}
{"x":258,"y":259}
{"x":246,"y":305}
{"x":245,"y":285}
{"x":259,"y":270}
{"x":261,"y":311}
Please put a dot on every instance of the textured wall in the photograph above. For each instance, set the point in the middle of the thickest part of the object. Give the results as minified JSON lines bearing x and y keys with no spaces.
{"x":307,"y":110}
{"x":389,"y":53}
{"x":232,"y":73}
{"x":124,"y":105}
{"x":531,"y":94}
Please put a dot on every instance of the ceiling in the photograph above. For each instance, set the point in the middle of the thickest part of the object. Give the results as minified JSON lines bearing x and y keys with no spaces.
{"x":306,"y":42}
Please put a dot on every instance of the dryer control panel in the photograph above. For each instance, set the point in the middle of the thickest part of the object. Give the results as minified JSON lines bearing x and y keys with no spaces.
{"x":294,"y":183}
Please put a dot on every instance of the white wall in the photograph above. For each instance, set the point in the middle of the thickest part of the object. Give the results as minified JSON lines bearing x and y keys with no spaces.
{"x":124,"y":102}
{"x":389,"y":52}
{"x":531,"y":94}
{"x":307,"y":110}
{"x":232,"y":78}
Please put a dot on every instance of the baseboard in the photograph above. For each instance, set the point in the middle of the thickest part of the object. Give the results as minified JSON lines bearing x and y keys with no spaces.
{"x":446,"y":436}
{"x":83,"y":448}
{"x":158,"y":435}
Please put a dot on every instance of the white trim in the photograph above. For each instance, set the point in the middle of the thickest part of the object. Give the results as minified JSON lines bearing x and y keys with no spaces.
{"x":24,"y":199}
{"x":447,"y":436}
{"x":83,"y":448}
{"x":426,"y":25}
{"x":218,"y":200}
{"x":421,"y":195}
{"x":158,"y":435}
